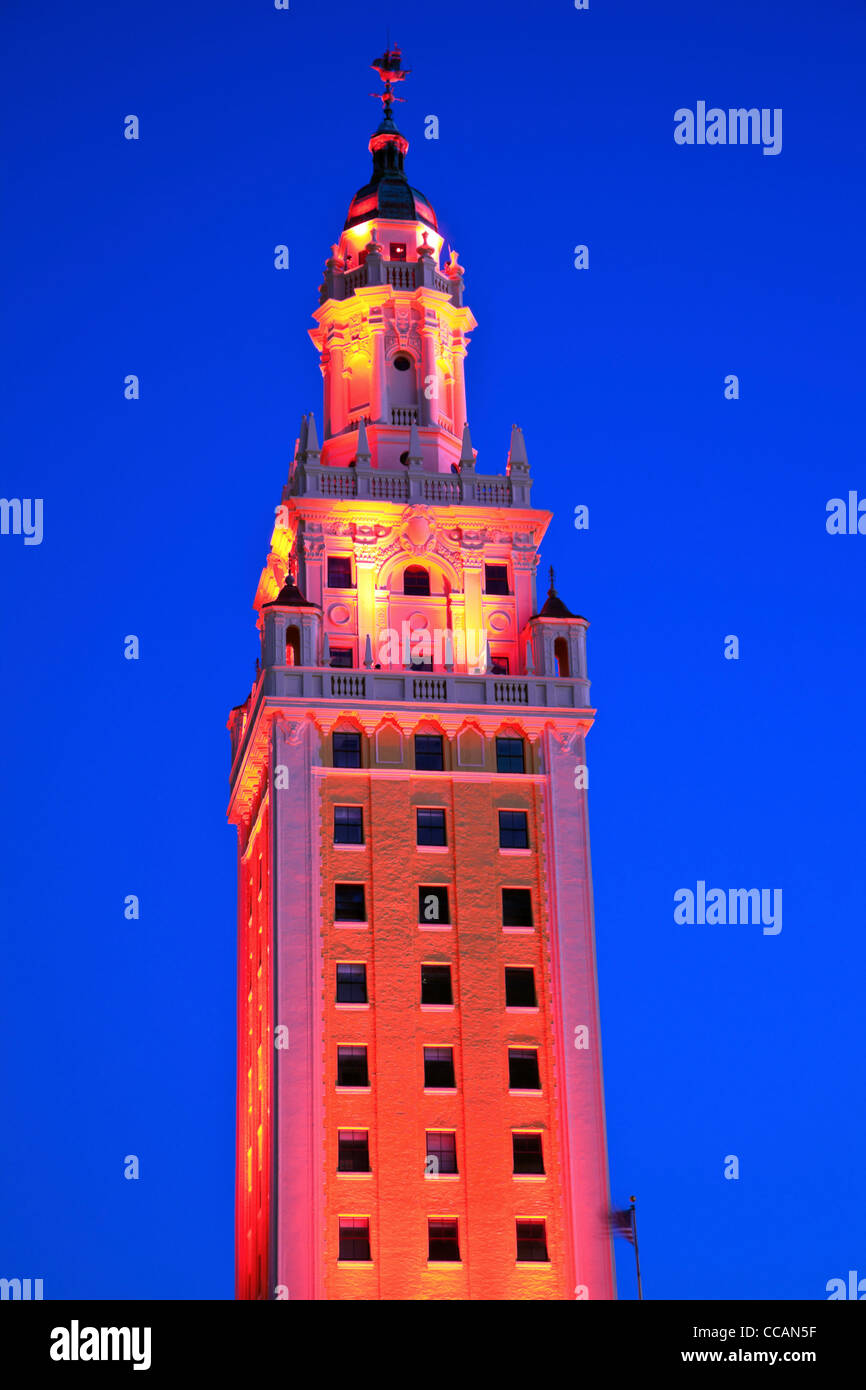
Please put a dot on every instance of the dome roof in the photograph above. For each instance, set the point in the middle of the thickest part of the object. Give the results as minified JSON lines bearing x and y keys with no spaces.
{"x":393,"y":198}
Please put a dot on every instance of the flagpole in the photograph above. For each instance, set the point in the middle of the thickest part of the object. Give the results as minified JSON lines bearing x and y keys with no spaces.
{"x":636,"y":1251}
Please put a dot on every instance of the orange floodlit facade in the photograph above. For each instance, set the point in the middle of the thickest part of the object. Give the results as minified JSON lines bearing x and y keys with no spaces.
{"x":420,"y":1103}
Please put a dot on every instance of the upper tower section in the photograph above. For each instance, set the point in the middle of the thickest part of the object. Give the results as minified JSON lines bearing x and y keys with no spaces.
{"x":392,"y":332}
{"x":388,"y":194}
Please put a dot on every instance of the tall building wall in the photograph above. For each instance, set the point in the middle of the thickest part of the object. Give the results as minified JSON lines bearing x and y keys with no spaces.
{"x":398,"y":603}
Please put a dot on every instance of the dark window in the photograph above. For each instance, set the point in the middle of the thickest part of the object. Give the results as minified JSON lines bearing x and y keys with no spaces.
{"x":436,"y":984}
{"x":416,"y":581}
{"x":560,"y":656}
{"x":354,"y":1151}
{"x":340,"y":572}
{"x":531,"y":1242}
{"x":348,"y":825}
{"x":442,"y":1238}
{"x":433,"y":905}
{"x":516,"y":907}
{"x":523,"y":1069}
{"x":428,"y":752}
{"x":520,"y":987}
{"x":402,"y":362}
{"x":513,"y":830}
{"x":341,"y":656}
{"x":509,"y":755}
{"x":431,"y":825}
{"x":441,"y":1151}
{"x":499,"y":665}
{"x":352,"y":1066}
{"x":528,"y":1157}
{"x":398,"y":251}
{"x":293,"y":646}
{"x":419,"y":662}
{"x":347,"y":750}
{"x":439,"y":1068}
{"x":354,"y":1238}
{"x":351,"y":984}
{"x":496,"y":579}
{"x":349,"y":905}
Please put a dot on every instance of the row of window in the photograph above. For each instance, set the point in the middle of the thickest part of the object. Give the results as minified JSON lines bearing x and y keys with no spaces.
{"x":353,"y":1152}
{"x":416,"y":579}
{"x":350,"y":905}
{"x":429,"y":827}
{"x":443,"y":1243}
{"x":436,"y":985}
{"x":429,"y":752}
{"x":523,"y":1072}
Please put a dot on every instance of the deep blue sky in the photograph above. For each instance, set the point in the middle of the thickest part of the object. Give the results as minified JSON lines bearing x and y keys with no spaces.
{"x":707,"y":517}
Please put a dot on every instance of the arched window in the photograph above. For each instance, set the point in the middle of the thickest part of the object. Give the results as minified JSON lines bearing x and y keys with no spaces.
{"x":293,"y":646}
{"x":416,"y":581}
{"x":560,"y":656}
{"x":402,"y":380}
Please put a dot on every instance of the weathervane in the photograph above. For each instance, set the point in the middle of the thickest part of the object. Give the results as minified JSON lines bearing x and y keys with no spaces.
{"x":389,"y":69}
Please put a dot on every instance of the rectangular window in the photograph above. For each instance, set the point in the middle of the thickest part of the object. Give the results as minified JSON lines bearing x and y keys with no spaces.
{"x":496,"y":579}
{"x":441,"y":1151}
{"x":439,"y":1068}
{"x":528,"y":1156}
{"x":341,"y":656}
{"x":436,"y":984}
{"x":442,"y":1244}
{"x":348,"y":825}
{"x":428,"y":752}
{"x":430,"y":825}
{"x":520,"y":987}
{"x":513,"y":830}
{"x":523,"y":1074}
{"x":340,"y":572}
{"x":509,"y":755}
{"x":516,"y":907}
{"x":355,"y":1238}
{"x":499,"y":665}
{"x":347,"y":750}
{"x":433,"y":905}
{"x":351,"y":983}
{"x":398,"y":251}
{"x":349,"y":903}
{"x":353,"y":1151}
{"x":531,"y":1242}
{"x":352,"y":1066}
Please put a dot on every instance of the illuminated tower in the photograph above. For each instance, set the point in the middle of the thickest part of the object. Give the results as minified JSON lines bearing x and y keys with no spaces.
{"x":420,"y":1105}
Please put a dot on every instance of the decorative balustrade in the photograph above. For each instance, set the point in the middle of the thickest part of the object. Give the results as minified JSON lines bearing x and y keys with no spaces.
{"x":403,"y":686}
{"x":444,"y":489}
{"x":401,"y":276}
{"x":439,"y":487}
{"x":389,"y":487}
{"x":404,"y":415}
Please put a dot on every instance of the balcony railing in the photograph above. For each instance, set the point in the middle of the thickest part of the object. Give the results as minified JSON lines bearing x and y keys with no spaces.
{"x":446,"y":489}
{"x":401,"y":275}
{"x":404,"y":687}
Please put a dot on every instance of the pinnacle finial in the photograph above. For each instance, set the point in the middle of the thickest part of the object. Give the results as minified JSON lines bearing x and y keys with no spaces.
{"x":552,"y":579}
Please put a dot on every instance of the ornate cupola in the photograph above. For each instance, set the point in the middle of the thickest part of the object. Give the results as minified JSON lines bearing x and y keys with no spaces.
{"x":388,"y":194}
{"x":556,"y":638}
{"x":392,"y":330}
